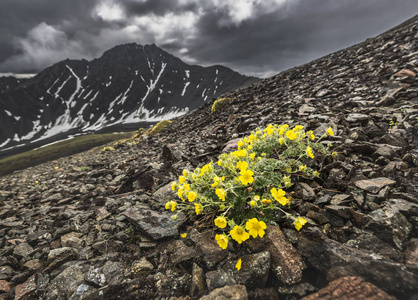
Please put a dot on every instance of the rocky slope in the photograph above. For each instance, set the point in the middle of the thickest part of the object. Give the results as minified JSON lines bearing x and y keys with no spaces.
{"x":93,"y":226}
{"x":128,"y":84}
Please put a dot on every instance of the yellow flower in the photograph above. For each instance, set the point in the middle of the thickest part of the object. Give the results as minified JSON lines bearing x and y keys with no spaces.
{"x":185,"y":172}
{"x":239,"y":234}
{"x":221,"y":194}
{"x":329,"y":131}
{"x":56,"y":168}
{"x":252,"y":156}
{"x":316,"y":173}
{"x":182,"y":179}
{"x":221,"y":222}
{"x":298,"y":128}
{"x":311,"y":135}
{"x":173,"y":186}
{"x":242,"y":165}
{"x":238,"y":265}
{"x":246,"y":177}
{"x":334,"y":154}
{"x":299,"y":222}
{"x":186,"y":187}
{"x":281,"y":141}
{"x":192,"y":196}
{"x":253,"y":203}
{"x":183,"y":235}
{"x":180,"y":193}
{"x":216,"y":181}
{"x":240,"y":144}
{"x":242,"y":153}
{"x":222,"y":240}
{"x":291,"y":135}
{"x":171,"y":205}
{"x":302,"y":168}
{"x":269,"y":130}
{"x":279,"y":196}
{"x":198,"y":208}
{"x":255,"y":228}
{"x":220,"y":163}
{"x":309,"y":152}
{"x":266,"y":201}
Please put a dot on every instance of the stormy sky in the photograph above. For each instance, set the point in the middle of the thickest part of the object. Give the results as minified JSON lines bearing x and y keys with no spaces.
{"x":254,"y":37}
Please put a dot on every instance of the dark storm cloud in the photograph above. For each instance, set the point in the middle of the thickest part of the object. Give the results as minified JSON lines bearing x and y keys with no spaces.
{"x":251,"y":36}
{"x":157,"y":7}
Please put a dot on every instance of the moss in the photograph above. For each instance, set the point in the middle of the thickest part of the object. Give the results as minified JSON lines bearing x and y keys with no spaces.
{"x":157,"y":128}
{"x":220,"y":104}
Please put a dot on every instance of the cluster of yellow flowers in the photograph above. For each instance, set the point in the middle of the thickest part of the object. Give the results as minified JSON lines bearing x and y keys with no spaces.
{"x":108,"y":149}
{"x":245,"y":188}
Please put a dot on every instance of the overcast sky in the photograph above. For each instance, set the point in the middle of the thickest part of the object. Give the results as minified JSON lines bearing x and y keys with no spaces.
{"x":254,"y":37}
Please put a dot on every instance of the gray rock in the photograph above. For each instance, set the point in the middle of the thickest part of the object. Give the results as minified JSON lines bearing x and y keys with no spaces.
{"x":141,"y":268}
{"x":157,"y":225}
{"x":210,"y":251}
{"x":254,"y":270}
{"x":219,"y":278}
{"x":163,"y":195}
{"x":198,"y":281}
{"x":234,"y":292}
{"x":66,"y":283}
{"x":22,"y":250}
{"x":338,"y":260}
{"x":384,"y":151}
{"x":356,"y":117}
{"x":374,"y":185}
{"x":350,"y":287}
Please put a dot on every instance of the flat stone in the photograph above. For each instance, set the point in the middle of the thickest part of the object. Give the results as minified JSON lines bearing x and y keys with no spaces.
{"x":350,"y":287}
{"x":198,"y":281}
{"x":6,"y":272}
{"x":254,"y":270}
{"x":66,"y":283}
{"x":26,"y":290}
{"x":286,"y":263}
{"x":157,"y":225}
{"x":66,"y":237}
{"x":34,"y":264}
{"x":219,"y":278}
{"x":355,"y":117}
{"x":5,"y":286}
{"x":163,"y":195}
{"x":337,"y":260}
{"x":181,"y":252}
{"x":22,"y":250}
{"x":374,"y":185}
{"x":233,"y":292}
{"x":141,"y":268}
{"x":211,"y":253}
{"x":405,"y":73}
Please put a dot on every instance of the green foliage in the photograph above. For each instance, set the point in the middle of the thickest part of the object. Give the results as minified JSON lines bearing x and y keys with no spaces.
{"x":157,"y":128}
{"x":220,"y":104}
{"x":57,"y":150}
{"x":247,"y":187}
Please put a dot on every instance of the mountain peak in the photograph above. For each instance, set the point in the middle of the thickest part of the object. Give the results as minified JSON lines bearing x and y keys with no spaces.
{"x":128,"y":84}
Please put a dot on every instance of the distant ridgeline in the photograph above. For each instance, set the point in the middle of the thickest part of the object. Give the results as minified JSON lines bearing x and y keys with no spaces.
{"x":127,"y":85}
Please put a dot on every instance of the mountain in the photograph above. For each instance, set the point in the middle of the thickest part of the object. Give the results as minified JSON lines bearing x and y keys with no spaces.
{"x":128,"y":84}
{"x":94,"y":225}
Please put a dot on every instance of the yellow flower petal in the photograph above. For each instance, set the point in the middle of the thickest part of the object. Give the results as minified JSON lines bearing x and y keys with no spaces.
{"x":238,"y":265}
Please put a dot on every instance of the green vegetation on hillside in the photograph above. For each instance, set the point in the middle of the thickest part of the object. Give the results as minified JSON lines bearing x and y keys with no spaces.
{"x":57,"y":150}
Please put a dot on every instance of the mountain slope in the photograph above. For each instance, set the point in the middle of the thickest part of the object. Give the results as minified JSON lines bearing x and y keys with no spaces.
{"x":94,"y":225}
{"x":127,"y":84}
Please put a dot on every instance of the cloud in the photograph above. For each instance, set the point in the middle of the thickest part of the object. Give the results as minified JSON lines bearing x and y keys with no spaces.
{"x":109,"y":11}
{"x":43,"y":44}
{"x":254,"y":37}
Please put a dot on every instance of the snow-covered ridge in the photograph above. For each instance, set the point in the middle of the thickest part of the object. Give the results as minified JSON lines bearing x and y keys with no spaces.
{"x":129,"y":84}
